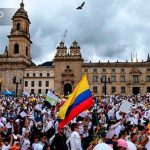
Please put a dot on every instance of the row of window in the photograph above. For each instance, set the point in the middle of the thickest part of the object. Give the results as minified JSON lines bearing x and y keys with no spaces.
{"x":113,"y":70}
{"x":104,"y":70}
{"x":39,"y":83}
{"x":95,"y":90}
{"x":37,"y":75}
{"x":113,"y":89}
{"x":95,"y":79}
{"x":135,"y":79}
{"x":39,"y":91}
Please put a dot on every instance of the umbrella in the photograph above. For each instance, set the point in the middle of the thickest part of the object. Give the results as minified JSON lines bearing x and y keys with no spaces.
{"x":102,"y":146}
{"x":131,"y":146}
{"x":8,"y":93}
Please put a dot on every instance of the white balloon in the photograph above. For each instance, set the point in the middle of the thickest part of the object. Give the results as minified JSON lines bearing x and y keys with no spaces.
{"x":102,"y":146}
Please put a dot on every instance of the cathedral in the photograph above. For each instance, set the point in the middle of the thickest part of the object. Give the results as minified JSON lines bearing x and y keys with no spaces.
{"x":19,"y":73}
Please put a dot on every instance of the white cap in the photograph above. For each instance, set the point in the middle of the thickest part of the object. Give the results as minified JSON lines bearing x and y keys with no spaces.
{"x":80,"y":122}
{"x":17,"y":120}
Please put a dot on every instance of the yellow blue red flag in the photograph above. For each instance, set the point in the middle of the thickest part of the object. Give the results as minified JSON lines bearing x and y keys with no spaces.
{"x":80,"y":100}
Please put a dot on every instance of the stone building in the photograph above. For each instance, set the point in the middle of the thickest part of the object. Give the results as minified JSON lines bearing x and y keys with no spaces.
{"x":18,"y":73}
{"x":17,"y":56}
{"x":67,"y":68}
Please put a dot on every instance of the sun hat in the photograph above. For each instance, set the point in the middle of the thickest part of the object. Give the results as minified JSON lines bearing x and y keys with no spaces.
{"x":122,"y":143}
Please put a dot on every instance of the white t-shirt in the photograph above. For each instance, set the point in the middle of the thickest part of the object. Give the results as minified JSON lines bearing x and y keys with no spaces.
{"x":135,"y":119}
{"x":37,"y":146}
{"x":111,"y":132}
{"x":48,"y":126}
{"x":81,"y":129}
{"x":118,"y":116}
{"x":25,"y":144}
{"x":4,"y":147}
{"x":75,"y":141}
{"x":118,"y":129}
{"x":148,"y":143}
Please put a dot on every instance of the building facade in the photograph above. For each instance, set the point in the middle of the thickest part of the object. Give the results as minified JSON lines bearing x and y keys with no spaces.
{"x":19,"y":73}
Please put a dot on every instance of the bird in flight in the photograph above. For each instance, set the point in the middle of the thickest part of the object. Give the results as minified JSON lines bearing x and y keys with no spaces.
{"x":81,"y":6}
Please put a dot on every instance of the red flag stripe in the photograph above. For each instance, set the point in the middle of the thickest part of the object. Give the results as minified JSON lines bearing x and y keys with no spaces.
{"x":76,"y":111}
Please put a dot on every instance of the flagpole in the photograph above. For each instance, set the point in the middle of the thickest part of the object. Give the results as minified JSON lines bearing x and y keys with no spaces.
{"x":131,"y":57}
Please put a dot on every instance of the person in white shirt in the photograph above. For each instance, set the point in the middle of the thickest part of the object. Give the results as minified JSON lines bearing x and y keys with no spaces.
{"x":135,"y":118}
{"x":25,"y":142}
{"x":48,"y":124}
{"x":37,"y":145}
{"x":80,"y":126}
{"x":111,"y":129}
{"x":5,"y":145}
{"x":118,"y":115}
{"x":74,"y":139}
{"x":110,"y":114}
{"x":148,"y":143}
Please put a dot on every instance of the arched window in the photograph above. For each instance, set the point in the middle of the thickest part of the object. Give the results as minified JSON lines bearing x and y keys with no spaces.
{"x":27,"y":50}
{"x":18,"y":26}
{"x":16,"y":48}
{"x":26,"y":29}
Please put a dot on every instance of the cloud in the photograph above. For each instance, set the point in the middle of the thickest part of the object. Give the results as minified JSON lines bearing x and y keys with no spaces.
{"x":104,"y":29}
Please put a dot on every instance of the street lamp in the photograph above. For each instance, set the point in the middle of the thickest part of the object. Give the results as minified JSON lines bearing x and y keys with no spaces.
{"x":1,"y":85}
{"x":16,"y":82}
{"x":105,"y":81}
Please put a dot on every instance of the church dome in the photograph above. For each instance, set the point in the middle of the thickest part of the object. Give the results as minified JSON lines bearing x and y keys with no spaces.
{"x":21,"y":13}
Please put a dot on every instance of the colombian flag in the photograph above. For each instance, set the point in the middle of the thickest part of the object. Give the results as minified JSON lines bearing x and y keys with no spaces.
{"x":80,"y":100}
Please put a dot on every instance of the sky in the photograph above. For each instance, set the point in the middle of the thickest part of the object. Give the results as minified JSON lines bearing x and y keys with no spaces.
{"x":104,"y":29}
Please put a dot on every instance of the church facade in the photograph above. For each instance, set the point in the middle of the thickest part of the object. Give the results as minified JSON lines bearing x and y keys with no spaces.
{"x":19,"y":73}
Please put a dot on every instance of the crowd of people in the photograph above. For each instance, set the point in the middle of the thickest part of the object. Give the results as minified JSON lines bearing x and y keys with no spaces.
{"x":31,"y":123}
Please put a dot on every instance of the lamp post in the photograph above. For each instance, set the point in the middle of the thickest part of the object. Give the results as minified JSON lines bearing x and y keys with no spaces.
{"x":105,"y":81}
{"x":1,"y":85}
{"x":62,"y":87}
{"x":17,"y":83}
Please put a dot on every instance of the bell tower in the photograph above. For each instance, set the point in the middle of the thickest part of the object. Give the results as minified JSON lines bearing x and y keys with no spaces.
{"x":17,"y":55}
{"x":75,"y":50}
{"x":61,"y":50}
{"x":67,"y":67}
{"x":19,"y":38}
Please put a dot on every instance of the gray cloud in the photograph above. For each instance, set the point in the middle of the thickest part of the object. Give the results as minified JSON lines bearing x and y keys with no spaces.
{"x":104,"y":29}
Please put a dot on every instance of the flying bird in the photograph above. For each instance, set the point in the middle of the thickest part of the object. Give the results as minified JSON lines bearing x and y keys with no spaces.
{"x":81,"y":6}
